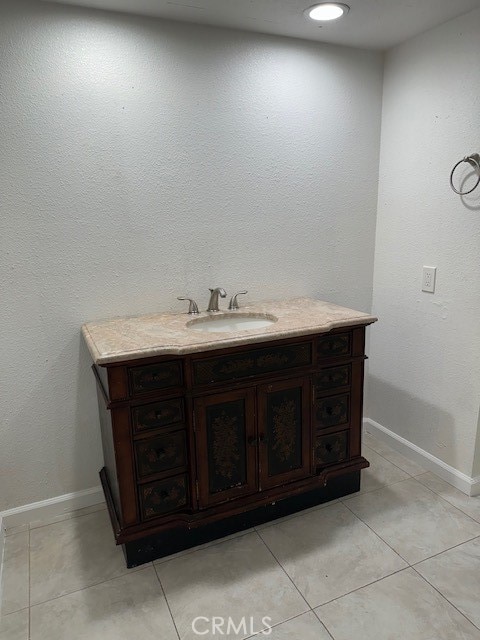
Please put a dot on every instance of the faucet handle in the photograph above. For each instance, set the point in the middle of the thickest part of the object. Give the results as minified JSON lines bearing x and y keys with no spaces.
{"x":193,"y":307}
{"x":233,"y":302}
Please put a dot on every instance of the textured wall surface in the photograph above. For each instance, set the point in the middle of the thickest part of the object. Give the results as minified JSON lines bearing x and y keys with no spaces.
{"x":143,"y":160}
{"x":425,"y":365}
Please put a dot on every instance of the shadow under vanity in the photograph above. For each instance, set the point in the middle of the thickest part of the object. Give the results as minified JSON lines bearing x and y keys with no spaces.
{"x":208,"y":434}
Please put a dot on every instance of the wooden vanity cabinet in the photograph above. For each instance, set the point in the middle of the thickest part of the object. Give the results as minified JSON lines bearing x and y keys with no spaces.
{"x":202,"y":445}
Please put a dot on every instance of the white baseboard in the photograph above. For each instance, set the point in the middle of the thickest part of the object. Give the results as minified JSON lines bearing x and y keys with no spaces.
{"x":466,"y":484}
{"x":50,"y":509}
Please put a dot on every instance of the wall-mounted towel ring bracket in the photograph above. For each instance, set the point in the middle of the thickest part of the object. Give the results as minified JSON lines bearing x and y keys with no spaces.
{"x":474,"y":161}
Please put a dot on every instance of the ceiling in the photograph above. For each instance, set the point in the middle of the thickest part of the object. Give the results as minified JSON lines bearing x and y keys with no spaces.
{"x":372,"y":24}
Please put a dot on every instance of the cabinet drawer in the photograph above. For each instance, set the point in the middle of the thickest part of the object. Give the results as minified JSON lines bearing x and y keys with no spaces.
{"x":333,"y":377}
{"x":330,"y":449}
{"x":334,"y":345}
{"x":252,"y":363}
{"x":163,"y":496}
{"x":158,"y":414}
{"x":153,"y":377}
{"x":160,"y":454}
{"x":332,"y":411}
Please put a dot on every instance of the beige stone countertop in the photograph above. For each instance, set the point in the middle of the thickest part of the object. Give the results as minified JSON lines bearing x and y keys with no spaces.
{"x":157,"y":334}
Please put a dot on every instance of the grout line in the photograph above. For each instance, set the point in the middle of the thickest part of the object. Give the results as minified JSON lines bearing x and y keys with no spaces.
{"x":95,"y":584}
{"x":369,"y":584}
{"x":166,"y":601}
{"x":398,"y":453}
{"x":323,"y":624}
{"x":284,"y":571}
{"x":412,"y":565}
{"x":11,"y":613}
{"x":435,"y":555}
{"x":393,"y":463}
{"x":445,"y":598}
{"x":261,"y":632}
{"x":358,"y":588}
{"x":344,"y":500}
{"x":348,"y":497}
{"x":415,"y":477}
{"x":378,"y":536}
{"x":330,"y":633}
{"x":253,"y":530}
{"x":446,"y":501}
{"x":384,"y":578}
{"x":312,"y":609}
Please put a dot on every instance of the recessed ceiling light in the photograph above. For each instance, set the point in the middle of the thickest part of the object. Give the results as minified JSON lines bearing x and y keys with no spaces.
{"x":327,"y":11}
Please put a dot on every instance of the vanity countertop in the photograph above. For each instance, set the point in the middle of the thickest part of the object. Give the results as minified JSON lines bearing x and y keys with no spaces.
{"x":158,"y":334}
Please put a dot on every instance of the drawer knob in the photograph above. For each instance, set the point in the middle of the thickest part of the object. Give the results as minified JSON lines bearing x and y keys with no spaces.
{"x":164,"y":494}
{"x":160,"y":453}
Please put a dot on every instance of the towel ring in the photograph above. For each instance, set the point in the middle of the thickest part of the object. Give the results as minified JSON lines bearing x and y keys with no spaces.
{"x":473,"y":160}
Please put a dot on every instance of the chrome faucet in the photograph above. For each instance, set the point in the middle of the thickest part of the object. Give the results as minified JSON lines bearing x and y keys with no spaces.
{"x":193,"y":307}
{"x":233,"y":306}
{"x":214,"y":293}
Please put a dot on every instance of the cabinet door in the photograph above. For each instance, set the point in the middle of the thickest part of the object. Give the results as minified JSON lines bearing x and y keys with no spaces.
{"x":284,"y":432}
{"x":225,"y":442}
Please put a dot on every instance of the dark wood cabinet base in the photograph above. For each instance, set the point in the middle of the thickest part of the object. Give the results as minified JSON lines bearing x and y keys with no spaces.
{"x":174,"y":540}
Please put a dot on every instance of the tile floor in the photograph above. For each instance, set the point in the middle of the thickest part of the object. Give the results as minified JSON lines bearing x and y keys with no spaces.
{"x":400,"y":560}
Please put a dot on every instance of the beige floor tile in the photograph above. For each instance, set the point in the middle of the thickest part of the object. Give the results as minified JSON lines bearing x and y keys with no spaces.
{"x":407,"y":465}
{"x":238,"y":578}
{"x":400,"y":607}
{"x":71,"y":555}
{"x":14,"y":626}
{"x":467,"y":504}
{"x":304,"y":627}
{"x":413,"y":520}
{"x":15,"y":574}
{"x":330,"y":552}
{"x":128,"y":607}
{"x":381,"y":472}
{"x":456,"y":574}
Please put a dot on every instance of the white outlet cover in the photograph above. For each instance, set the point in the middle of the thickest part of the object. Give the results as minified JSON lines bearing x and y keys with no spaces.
{"x":428,"y":280}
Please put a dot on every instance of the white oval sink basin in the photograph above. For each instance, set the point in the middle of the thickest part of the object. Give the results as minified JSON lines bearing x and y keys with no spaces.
{"x":231,"y":323}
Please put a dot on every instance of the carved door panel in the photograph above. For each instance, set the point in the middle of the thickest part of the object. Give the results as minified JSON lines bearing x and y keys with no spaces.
{"x":226,"y":446}
{"x":284,"y":432}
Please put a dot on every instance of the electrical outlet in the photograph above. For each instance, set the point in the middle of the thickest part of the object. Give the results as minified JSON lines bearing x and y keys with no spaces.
{"x":428,"y":282}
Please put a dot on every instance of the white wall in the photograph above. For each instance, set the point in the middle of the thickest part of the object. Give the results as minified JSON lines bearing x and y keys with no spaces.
{"x":425,"y":366}
{"x":142,"y":160}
